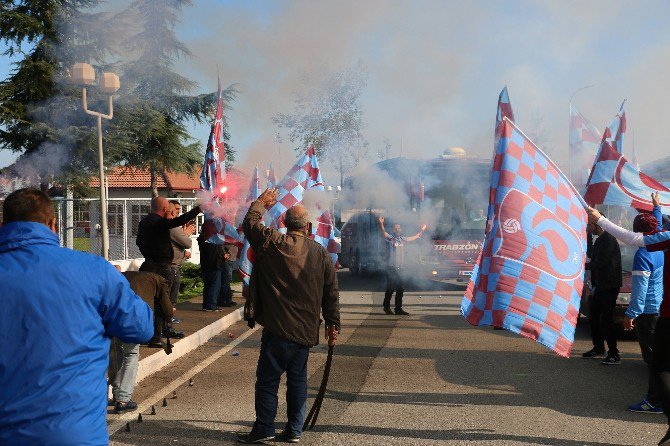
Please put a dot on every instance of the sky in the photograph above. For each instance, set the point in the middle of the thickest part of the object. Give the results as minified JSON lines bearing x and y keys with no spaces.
{"x":435,"y":68}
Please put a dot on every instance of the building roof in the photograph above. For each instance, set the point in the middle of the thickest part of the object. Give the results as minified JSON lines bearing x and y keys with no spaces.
{"x":126,"y":177}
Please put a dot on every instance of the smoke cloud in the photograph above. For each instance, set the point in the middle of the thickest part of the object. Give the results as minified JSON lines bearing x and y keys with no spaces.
{"x":435,"y":68}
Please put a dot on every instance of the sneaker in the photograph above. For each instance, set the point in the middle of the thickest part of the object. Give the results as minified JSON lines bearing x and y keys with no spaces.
{"x":665,"y":441}
{"x":288,"y":437}
{"x":611,"y":359}
{"x":174,"y":320}
{"x":125,"y":407}
{"x":401,"y":312}
{"x":252,"y":438}
{"x":387,"y":310}
{"x":593,"y":353}
{"x":645,"y":407}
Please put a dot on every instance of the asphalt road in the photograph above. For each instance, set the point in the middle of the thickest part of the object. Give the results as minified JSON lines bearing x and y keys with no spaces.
{"x":429,"y":378}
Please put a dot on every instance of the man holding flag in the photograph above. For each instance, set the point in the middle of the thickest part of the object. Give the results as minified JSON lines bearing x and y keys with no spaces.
{"x":292,"y":283}
{"x":659,"y":241}
{"x":529,"y":276}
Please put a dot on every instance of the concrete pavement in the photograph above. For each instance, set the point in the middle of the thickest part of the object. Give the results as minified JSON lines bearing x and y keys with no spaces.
{"x":428,"y":378}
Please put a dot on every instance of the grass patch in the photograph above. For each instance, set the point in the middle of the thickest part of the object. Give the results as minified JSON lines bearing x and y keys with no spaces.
{"x":191,"y":281}
{"x":82,"y":244}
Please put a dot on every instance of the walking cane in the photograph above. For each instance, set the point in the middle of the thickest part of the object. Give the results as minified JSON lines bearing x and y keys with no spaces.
{"x":316,"y":407}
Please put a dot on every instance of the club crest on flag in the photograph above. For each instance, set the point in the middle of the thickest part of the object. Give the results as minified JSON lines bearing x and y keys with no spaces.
{"x":529,"y":276}
{"x":616,"y":181}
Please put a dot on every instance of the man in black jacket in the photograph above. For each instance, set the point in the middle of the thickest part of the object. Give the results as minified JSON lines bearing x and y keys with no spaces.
{"x":153,"y":239}
{"x":213,"y":267}
{"x":605,"y":266}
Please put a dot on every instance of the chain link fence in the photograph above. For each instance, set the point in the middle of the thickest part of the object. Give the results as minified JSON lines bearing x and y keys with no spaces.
{"x":80,"y":228}
{"x":79,"y":225}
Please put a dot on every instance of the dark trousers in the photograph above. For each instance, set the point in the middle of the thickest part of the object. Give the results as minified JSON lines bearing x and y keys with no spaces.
{"x":601,"y":319}
{"x":225,"y":295}
{"x":216,"y":288}
{"x":279,"y":355}
{"x":645,"y":325}
{"x":166,"y":271}
{"x":394,"y":282}
{"x":661,"y":362}
{"x":176,"y":282}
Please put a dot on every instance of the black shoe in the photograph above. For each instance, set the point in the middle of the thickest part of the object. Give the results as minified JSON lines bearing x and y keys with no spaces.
{"x":593,"y":353}
{"x":172,"y":334}
{"x":210,"y":310}
{"x":401,"y":312}
{"x":229,"y":304}
{"x":125,"y":407}
{"x":288,"y":437}
{"x":612,"y":359}
{"x":174,"y":320}
{"x":387,"y":310}
{"x":252,"y":438}
{"x":665,"y":441}
{"x":111,"y":402}
{"x":155,"y":343}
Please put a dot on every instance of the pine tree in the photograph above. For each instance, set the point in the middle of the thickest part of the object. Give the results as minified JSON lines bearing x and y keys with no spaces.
{"x":40,"y":110}
{"x":157,"y":105}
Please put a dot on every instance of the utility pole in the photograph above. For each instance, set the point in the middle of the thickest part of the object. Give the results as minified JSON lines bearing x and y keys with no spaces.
{"x":279,"y":141}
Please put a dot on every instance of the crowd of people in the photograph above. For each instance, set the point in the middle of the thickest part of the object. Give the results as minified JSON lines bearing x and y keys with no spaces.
{"x":649,"y":309}
{"x":55,"y":357}
{"x":55,"y":384}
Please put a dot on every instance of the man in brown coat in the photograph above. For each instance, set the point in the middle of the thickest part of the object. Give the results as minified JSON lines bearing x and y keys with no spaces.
{"x":124,"y":360}
{"x":292,"y":283}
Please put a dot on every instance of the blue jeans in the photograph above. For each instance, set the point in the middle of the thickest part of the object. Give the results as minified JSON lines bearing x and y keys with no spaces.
{"x":124,"y":362}
{"x":279,"y":355}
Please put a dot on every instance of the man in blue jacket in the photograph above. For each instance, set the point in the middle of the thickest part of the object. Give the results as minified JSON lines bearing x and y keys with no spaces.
{"x":645,"y":301}
{"x":59,"y":309}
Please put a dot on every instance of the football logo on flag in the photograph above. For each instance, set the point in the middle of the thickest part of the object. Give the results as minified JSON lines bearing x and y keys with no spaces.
{"x":542,"y":242}
{"x":529,"y":276}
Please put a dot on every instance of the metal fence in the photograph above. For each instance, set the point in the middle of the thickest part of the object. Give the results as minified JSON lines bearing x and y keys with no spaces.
{"x":80,"y":229}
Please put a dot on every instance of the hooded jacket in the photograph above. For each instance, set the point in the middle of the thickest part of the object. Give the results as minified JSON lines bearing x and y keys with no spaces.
{"x":59,"y":309}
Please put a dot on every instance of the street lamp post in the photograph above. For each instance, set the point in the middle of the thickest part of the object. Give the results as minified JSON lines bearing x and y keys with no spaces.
{"x":570,"y":172}
{"x":83,"y":74}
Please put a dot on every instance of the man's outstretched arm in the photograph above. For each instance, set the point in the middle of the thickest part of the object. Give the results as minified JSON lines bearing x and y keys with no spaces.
{"x":252,"y":225}
{"x":380,"y":222}
{"x":417,"y":235}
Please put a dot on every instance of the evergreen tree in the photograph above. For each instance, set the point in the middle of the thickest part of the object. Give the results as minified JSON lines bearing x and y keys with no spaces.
{"x":330,"y":116}
{"x":40,"y":110}
{"x":157,"y":106}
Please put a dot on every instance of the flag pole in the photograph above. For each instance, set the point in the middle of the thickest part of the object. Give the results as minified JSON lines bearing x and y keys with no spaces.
{"x":558,"y":169}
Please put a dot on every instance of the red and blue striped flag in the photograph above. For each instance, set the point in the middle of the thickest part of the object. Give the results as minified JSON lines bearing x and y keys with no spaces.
{"x":529,"y":276}
{"x":616,"y":181}
{"x":305,"y":175}
{"x":583,"y":140}
{"x":504,"y":110}
{"x":217,"y":227}
{"x":248,"y":256}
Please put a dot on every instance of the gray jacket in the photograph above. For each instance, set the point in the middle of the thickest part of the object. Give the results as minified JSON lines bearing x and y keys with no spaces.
{"x":180,"y":243}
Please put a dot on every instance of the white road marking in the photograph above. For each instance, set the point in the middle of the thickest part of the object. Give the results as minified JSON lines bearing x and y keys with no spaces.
{"x":156,"y":397}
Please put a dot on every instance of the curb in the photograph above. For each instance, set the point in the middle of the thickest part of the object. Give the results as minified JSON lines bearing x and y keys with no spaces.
{"x":153,"y":363}
{"x":156,"y":361}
